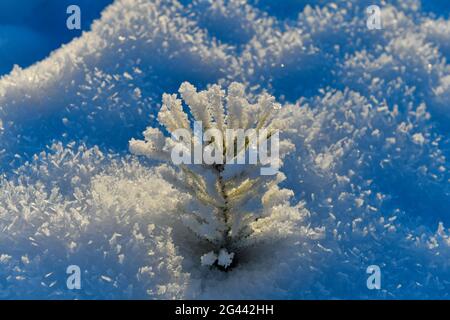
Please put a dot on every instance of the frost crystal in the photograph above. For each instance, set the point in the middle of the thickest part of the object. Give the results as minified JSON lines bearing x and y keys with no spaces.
{"x":208,"y":259}
{"x":225,"y":259}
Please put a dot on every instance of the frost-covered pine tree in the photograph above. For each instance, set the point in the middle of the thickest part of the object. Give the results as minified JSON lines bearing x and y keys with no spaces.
{"x":231,"y":205}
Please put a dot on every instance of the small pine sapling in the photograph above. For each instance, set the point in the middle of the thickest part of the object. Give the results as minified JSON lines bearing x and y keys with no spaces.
{"x":231,"y":201}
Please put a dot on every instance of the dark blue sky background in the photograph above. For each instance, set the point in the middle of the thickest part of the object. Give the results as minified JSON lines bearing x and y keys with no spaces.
{"x":31,"y":29}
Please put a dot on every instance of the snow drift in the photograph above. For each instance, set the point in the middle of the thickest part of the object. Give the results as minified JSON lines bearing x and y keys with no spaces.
{"x":366,"y":110}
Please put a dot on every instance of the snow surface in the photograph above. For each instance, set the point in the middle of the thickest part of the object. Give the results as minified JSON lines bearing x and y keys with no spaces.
{"x":368,"y":112}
